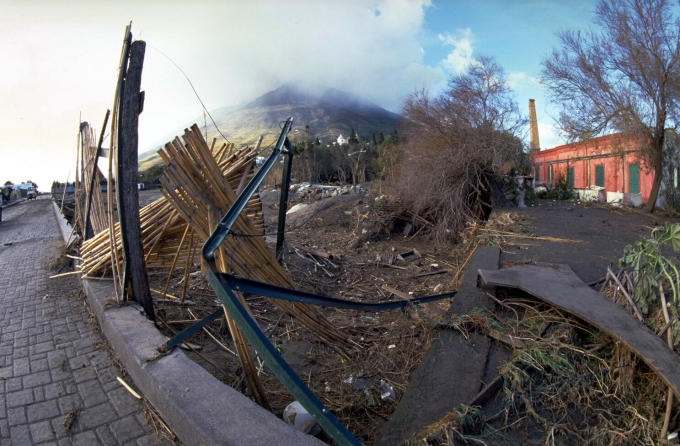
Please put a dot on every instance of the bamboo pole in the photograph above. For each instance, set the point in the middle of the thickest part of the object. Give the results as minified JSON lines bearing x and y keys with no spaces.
{"x":187,"y":266}
{"x":174,"y":260}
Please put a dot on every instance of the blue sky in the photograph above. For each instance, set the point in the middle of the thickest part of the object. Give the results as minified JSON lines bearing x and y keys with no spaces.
{"x":64,"y":60}
{"x":518,"y":34}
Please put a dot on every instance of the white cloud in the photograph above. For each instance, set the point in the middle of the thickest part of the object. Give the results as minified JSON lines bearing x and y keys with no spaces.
{"x":460,"y":57}
{"x":520,"y":79}
{"x":549,"y":136}
{"x":64,"y":59}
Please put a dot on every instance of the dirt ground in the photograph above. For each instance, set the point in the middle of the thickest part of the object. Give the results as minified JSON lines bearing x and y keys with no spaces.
{"x":322,"y":255}
{"x":326,"y":253}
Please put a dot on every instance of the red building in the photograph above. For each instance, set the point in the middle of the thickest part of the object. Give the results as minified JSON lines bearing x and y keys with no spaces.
{"x":612,"y":162}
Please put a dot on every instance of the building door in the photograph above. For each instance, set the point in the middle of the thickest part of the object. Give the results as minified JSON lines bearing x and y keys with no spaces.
{"x":599,"y":175}
{"x":634,"y":178}
{"x":570,"y":177}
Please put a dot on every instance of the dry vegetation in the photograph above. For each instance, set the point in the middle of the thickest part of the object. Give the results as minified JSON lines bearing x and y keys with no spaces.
{"x":566,"y":383}
{"x":454,"y":146}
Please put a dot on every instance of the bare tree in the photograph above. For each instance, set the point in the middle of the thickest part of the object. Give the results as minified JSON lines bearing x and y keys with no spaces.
{"x":454,"y":144}
{"x":623,"y":76}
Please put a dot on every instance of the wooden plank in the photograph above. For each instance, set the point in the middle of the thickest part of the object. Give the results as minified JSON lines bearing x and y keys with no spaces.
{"x":128,"y":194}
{"x":558,"y":285}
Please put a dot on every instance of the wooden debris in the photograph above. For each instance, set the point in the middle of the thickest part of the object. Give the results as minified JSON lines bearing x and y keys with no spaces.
{"x":128,"y":388}
{"x":87,"y":156}
{"x":409,"y":256}
{"x":396,"y":292}
{"x":201,"y":190}
{"x":620,"y":286}
{"x":201,"y":193}
{"x":70,"y":273}
{"x":432,"y":273}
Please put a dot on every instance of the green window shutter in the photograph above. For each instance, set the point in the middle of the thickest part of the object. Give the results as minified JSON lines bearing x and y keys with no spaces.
{"x":537,"y":172}
{"x":634,"y":178}
{"x":570,"y":176}
{"x":599,"y":175}
{"x":550,"y":174}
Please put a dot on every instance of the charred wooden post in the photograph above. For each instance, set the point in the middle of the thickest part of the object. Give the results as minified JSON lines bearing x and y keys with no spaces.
{"x":131,"y":104}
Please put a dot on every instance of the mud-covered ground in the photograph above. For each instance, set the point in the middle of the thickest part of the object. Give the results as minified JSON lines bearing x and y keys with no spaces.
{"x":599,"y":232}
{"x":327,"y":252}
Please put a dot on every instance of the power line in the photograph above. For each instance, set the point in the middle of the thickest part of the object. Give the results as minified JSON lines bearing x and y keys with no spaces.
{"x":194,"y":90}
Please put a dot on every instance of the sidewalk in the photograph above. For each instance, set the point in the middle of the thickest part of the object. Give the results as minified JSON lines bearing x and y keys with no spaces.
{"x":54,"y":366}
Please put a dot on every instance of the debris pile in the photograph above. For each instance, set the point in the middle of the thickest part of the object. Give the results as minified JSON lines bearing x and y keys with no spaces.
{"x":308,"y":191}
{"x":586,"y":368}
{"x":197,"y":189}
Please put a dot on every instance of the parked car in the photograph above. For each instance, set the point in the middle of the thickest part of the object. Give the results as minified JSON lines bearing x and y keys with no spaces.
{"x":31,"y":194}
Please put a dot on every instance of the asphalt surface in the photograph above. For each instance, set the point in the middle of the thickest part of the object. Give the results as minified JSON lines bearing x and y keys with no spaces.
{"x":597,"y":236}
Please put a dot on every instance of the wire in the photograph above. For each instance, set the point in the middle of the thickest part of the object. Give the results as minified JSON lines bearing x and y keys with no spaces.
{"x":194,"y":90}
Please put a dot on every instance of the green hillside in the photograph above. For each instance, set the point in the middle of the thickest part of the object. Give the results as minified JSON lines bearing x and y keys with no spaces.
{"x":328,"y":115}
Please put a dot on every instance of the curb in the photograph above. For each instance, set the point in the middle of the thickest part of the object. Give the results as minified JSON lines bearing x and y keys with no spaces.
{"x":64,"y":227}
{"x":198,"y":408}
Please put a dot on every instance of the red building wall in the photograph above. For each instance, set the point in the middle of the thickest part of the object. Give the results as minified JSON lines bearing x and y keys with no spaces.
{"x":614,"y":152}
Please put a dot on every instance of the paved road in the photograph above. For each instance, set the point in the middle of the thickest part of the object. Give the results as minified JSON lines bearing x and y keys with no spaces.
{"x":52,"y":360}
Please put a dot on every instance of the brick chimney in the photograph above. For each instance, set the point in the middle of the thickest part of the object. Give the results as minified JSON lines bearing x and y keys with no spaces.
{"x":534,"y":145}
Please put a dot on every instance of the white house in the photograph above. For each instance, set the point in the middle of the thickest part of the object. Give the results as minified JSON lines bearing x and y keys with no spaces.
{"x":341,"y":140}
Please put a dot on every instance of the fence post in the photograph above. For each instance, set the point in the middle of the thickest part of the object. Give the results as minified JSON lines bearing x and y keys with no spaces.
{"x":131,"y":105}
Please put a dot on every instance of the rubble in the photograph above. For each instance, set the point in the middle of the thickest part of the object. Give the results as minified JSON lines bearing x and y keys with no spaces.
{"x":307,"y":191}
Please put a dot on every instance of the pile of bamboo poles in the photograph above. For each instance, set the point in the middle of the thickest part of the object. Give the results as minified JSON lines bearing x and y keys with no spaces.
{"x":193,"y":183}
{"x":166,"y":237}
{"x":200,"y":183}
{"x":158,"y":222}
{"x":202,"y":190}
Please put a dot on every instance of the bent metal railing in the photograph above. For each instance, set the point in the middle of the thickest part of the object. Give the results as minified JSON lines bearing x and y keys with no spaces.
{"x":225,"y":286}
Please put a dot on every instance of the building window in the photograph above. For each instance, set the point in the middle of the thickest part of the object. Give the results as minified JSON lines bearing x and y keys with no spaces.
{"x":633,"y":178}
{"x":570,"y":177}
{"x":599,"y":175}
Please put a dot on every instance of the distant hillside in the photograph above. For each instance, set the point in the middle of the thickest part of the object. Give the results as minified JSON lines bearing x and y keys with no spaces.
{"x":328,"y":114}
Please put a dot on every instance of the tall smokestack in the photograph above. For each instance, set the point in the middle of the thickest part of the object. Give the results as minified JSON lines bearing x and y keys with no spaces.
{"x":534,"y":145}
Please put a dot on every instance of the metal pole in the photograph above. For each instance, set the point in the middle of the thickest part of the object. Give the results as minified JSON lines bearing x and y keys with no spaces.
{"x":283,"y":200}
{"x":224,"y":226}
